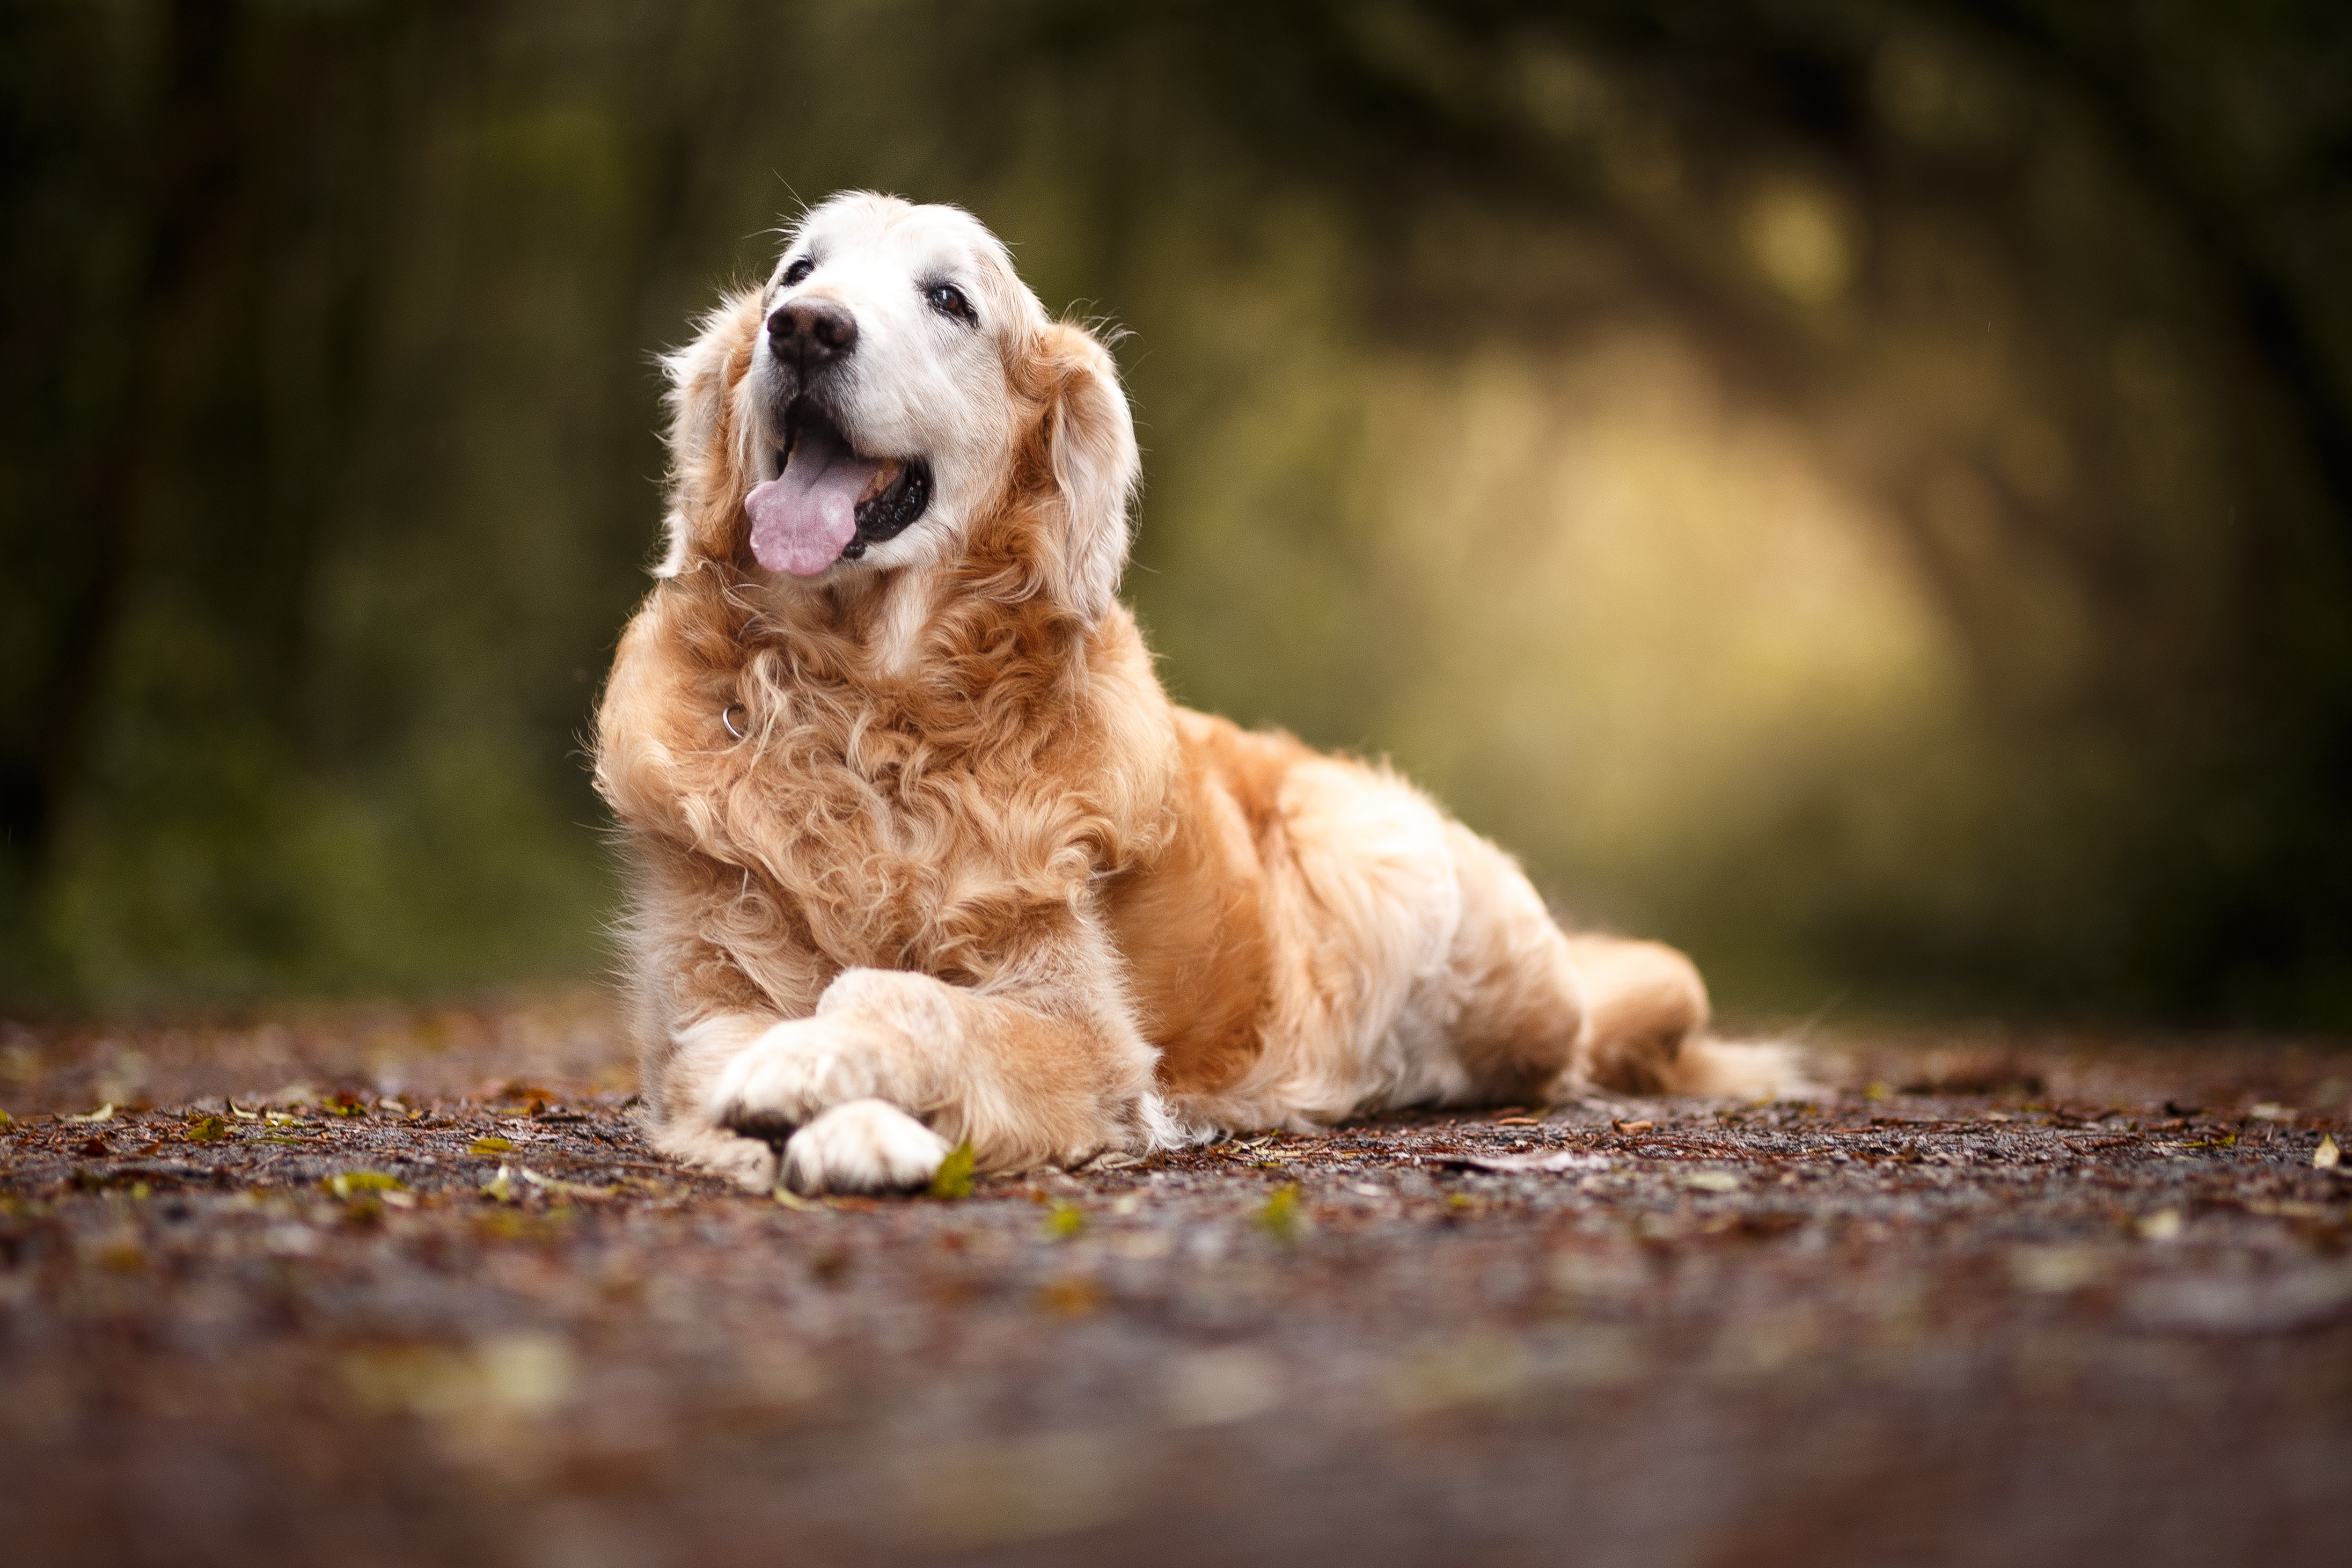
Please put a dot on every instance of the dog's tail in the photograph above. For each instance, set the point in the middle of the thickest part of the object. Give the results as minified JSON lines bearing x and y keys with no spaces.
{"x":1736,"y":1069}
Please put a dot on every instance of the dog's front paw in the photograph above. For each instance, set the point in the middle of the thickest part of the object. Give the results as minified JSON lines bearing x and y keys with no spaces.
{"x":863,"y":1146}
{"x":749,"y":1163}
{"x":785,"y":1078}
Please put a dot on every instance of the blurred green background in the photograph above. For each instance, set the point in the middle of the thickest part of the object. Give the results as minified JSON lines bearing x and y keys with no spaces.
{"x":1863,"y":491}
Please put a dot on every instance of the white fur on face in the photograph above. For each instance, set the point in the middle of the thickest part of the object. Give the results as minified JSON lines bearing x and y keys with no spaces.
{"x":919,"y":385}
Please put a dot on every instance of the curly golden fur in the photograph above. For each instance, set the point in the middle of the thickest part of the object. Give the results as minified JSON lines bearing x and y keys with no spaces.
{"x":923,"y":853}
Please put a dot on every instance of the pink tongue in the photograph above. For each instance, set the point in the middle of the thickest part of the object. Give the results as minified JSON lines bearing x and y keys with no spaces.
{"x":802,"y":520}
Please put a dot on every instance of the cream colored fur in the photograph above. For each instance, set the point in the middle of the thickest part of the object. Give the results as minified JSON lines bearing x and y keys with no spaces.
{"x":968,"y":875}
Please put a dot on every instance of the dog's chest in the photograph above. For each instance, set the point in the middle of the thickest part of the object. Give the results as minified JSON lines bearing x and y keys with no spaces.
{"x":894,"y":852}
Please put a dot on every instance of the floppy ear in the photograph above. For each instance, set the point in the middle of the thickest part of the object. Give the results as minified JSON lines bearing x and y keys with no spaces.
{"x":709,"y":452}
{"x":1090,"y":448}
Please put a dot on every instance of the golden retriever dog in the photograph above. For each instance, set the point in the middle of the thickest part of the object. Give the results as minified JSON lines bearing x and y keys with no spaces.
{"x":924,"y":854}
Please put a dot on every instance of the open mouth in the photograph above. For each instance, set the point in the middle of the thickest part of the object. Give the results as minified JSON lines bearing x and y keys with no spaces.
{"x":827,"y":502}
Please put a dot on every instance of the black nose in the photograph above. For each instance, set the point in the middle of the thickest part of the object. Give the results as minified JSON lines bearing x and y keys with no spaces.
{"x":809,"y":333}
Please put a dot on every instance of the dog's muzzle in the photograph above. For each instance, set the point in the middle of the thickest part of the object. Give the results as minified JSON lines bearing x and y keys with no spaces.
{"x":828,"y":501}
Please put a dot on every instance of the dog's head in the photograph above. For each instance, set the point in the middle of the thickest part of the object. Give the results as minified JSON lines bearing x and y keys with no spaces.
{"x":892,"y":394}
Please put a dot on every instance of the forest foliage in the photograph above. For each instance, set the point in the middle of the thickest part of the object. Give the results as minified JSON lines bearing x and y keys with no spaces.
{"x":1862,"y":490}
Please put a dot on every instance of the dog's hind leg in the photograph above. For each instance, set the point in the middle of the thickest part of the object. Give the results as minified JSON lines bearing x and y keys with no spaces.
{"x":1540,"y":1013}
{"x":1516,"y":1002}
{"x":1646,"y":1002}
{"x":1649,"y":1016}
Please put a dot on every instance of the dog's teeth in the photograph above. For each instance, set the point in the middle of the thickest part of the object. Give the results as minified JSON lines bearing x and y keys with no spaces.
{"x":884,"y":478}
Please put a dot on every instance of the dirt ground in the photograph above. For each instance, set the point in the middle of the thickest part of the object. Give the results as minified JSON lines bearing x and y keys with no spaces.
{"x":379,"y":1287}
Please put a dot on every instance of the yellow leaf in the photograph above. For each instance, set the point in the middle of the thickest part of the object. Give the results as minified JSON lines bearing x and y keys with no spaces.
{"x":493,"y":1144}
{"x":499,"y":1189}
{"x":103,"y":1113}
{"x":1065,"y":1220}
{"x":953,"y":1178}
{"x":2327,"y":1155}
{"x":344,"y":1184}
{"x":1278,"y":1215}
{"x":206,"y":1130}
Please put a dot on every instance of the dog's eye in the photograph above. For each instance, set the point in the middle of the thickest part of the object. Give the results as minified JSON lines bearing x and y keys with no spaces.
{"x":799,"y":271}
{"x":949,"y":300}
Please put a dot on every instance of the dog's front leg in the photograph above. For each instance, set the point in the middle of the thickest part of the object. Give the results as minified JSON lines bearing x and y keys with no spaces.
{"x":870,"y":1092}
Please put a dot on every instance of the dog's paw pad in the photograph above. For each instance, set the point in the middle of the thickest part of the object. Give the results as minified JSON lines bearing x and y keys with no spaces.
{"x":863,"y":1146}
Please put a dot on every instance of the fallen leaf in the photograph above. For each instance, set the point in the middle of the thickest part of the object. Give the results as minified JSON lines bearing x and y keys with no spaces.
{"x":1712,"y":1181}
{"x":343,"y":1184}
{"x":499,"y":1189}
{"x":953,"y":1178}
{"x":2326,"y":1156}
{"x":1642,"y":1126}
{"x":1278,"y":1215}
{"x":563,"y":1188}
{"x":2162,"y":1226}
{"x":2258,"y":1305}
{"x":1562,"y":1160}
{"x":2056,"y":1270}
{"x":1073,"y":1298}
{"x":1064,"y":1219}
{"x":206,"y":1130}
{"x":103,"y":1113}
{"x":122,"y":1254}
{"x":493,"y":1144}
{"x":241,"y":1115}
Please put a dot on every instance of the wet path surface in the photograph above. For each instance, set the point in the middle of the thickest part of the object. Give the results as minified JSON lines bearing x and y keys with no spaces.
{"x":384,"y":1287}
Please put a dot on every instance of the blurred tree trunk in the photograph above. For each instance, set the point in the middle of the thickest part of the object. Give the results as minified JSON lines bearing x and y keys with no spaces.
{"x":183,"y":204}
